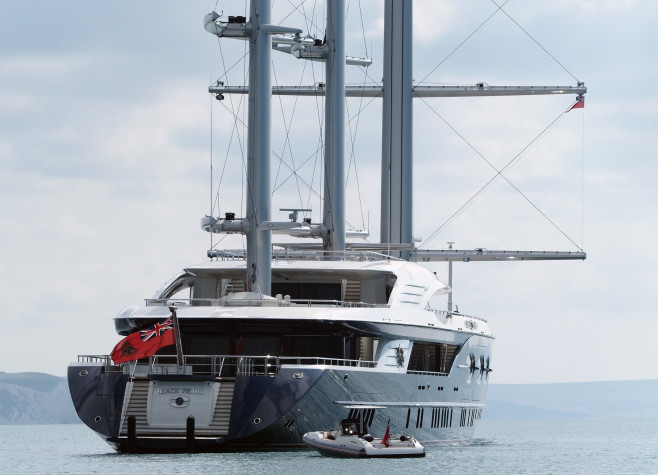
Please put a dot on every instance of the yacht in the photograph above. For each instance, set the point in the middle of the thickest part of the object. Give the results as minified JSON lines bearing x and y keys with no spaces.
{"x":275,"y":341}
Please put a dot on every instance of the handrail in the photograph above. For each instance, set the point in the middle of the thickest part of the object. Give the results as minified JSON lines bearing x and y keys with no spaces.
{"x":304,"y":254}
{"x":220,"y":365}
{"x":209,"y":302}
{"x":336,"y":303}
{"x":451,"y":314}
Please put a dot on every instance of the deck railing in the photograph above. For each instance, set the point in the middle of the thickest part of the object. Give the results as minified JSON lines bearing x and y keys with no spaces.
{"x":282,"y":302}
{"x":304,"y":255}
{"x":446,"y":314}
{"x":219,"y":365}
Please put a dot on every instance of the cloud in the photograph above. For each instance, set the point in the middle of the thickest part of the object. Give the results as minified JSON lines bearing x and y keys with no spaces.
{"x":104,"y":153}
{"x":432,"y":20}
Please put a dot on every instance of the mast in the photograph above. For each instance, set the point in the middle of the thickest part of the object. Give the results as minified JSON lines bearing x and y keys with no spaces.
{"x":396,"y":192}
{"x":333,"y":218}
{"x":397,"y":91}
{"x":256,"y":225}
{"x":259,"y":242}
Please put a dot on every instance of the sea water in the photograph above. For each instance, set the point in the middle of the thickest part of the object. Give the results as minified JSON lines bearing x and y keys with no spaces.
{"x":555,"y":446}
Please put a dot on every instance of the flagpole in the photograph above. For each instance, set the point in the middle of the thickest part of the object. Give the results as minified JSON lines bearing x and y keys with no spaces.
{"x":179,"y":345}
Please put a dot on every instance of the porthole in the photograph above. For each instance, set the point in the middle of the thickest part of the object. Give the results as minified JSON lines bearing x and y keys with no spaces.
{"x":257,"y":420}
{"x":298,"y":375}
{"x":84,"y":372}
{"x":97,"y":419}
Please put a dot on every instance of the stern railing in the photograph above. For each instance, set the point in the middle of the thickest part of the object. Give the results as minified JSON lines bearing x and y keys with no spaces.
{"x":265,"y":302}
{"x":218,"y":366}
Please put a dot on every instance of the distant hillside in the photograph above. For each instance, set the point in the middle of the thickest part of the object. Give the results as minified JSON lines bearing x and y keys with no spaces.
{"x":608,"y":399}
{"x":35,"y":398}
{"x":38,"y":398}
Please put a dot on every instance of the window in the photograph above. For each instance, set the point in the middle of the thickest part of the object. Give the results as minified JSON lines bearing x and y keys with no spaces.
{"x":432,"y":357}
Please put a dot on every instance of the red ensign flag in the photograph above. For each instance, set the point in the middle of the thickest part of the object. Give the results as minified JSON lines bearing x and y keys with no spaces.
{"x":144,"y":343}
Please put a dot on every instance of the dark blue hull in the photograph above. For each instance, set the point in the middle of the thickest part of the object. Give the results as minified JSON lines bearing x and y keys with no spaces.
{"x":269,"y":412}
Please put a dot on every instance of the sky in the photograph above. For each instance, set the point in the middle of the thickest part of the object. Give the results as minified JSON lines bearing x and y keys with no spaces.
{"x":107,"y":135}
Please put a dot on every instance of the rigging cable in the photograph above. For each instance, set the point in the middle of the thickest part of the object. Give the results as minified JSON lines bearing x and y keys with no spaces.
{"x":499,"y":173}
{"x":582,"y":185}
{"x":286,"y":144}
{"x":319,"y":153}
{"x":365,"y":75}
{"x":293,"y":172}
{"x":245,"y":131}
{"x":462,"y":43}
{"x":353,"y":134}
{"x":296,"y":8}
{"x":234,"y":111}
{"x":212,"y":198}
{"x":318,"y":156}
{"x":500,"y":7}
{"x":287,"y":124}
{"x":294,"y":169}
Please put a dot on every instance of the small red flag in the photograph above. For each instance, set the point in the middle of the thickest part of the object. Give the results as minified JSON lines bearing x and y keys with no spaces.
{"x":580,"y":104}
{"x":387,"y":436}
{"x":144,"y":343}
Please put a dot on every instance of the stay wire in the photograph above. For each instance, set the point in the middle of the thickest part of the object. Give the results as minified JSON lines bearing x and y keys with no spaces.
{"x":320,"y":144}
{"x":287,"y":144}
{"x":582,"y":185}
{"x":234,"y":111}
{"x":234,"y":130}
{"x":237,"y":121}
{"x":499,"y":173}
{"x":353,"y":134}
{"x":363,"y":30}
{"x":293,"y":172}
{"x":319,"y":153}
{"x":212,"y":197}
{"x":299,"y":9}
{"x":356,"y":127}
{"x":464,"y":41}
{"x":500,"y":7}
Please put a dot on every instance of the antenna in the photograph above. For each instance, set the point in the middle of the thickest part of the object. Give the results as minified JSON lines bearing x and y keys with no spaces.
{"x":450,"y":243}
